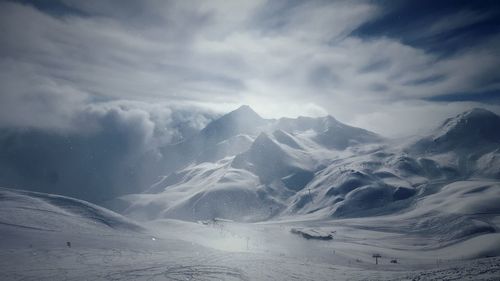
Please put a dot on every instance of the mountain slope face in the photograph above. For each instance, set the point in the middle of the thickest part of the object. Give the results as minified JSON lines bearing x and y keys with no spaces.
{"x":225,"y":136}
{"x":247,"y":168}
{"x":476,"y":130}
{"x":468,"y":143}
{"x":29,"y":217}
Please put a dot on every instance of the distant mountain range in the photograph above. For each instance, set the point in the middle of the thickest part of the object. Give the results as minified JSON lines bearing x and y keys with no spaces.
{"x":248,"y":168}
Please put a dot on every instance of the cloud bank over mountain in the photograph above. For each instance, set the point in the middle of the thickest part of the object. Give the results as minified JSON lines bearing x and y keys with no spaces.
{"x":284,"y":58}
{"x":103,"y":83}
{"x":102,"y":150}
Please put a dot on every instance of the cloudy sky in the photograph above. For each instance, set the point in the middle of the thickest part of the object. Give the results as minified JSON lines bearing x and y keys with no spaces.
{"x":91,"y":90}
{"x":394,"y":67}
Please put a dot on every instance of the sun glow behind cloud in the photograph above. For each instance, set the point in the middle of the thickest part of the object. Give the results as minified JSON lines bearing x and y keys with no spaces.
{"x":283,"y":58}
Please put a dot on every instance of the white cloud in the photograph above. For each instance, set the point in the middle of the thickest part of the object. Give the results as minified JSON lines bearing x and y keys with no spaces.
{"x":105,"y":87}
{"x":455,"y":21}
{"x":275,"y":57}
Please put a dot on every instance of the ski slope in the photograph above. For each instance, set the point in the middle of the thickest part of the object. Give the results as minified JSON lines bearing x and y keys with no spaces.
{"x":107,"y":246}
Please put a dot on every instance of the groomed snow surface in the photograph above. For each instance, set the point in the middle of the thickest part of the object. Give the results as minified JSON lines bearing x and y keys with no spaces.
{"x":35,"y":229}
{"x":287,"y":199}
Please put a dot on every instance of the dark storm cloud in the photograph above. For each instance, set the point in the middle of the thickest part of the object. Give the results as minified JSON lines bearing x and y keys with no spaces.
{"x":111,"y":150}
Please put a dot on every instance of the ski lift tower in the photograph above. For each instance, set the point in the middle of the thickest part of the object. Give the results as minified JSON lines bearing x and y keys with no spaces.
{"x":376,"y":256}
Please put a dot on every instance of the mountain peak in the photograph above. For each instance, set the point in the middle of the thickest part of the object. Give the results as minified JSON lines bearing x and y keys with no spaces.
{"x":244,"y":107}
{"x":242,"y":115}
{"x":244,"y":111}
{"x":469,"y":118}
{"x":479,"y":113}
{"x":263,"y":137}
{"x":331,"y":118}
{"x":243,"y":120}
{"x":470,"y":127}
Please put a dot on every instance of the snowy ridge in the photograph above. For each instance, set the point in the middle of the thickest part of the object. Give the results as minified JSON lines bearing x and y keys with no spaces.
{"x":317,"y":168}
{"x":475,"y":130}
{"x":32,"y":210}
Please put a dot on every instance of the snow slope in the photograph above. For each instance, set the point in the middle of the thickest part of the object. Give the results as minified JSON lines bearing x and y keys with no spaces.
{"x":316,"y":167}
{"x":55,"y":219}
{"x":27,"y":210}
{"x":35,"y":227}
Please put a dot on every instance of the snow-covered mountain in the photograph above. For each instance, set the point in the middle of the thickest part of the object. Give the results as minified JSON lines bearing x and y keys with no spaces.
{"x":244,"y":167}
{"x":473,"y":131}
{"x":428,"y":203}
